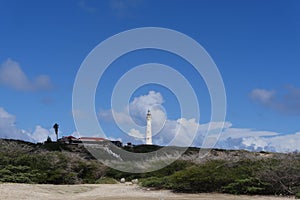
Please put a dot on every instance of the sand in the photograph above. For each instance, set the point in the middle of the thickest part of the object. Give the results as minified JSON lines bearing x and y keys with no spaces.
{"x":10,"y":191}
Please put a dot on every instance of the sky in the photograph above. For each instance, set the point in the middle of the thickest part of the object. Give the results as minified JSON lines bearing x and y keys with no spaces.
{"x":255,"y":45}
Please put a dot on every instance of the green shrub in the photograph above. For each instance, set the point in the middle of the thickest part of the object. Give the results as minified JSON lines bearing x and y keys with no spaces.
{"x":69,"y":164}
{"x":213,"y":176}
{"x":71,"y":178}
{"x":106,"y":180}
{"x":209,"y":177}
{"x":246,"y":186}
{"x":176,"y":166}
{"x":153,"y":182}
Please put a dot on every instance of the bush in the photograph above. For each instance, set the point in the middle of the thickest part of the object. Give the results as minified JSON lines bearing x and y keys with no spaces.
{"x":154,"y":182}
{"x":214,"y":176}
{"x":209,"y":177}
{"x":106,"y":180}
{"x":52,"y":167}
{"x":282,"y":173}
{"x":69,"y":164}
{"x":18,"y":174}
{"x":246,"y":186}
{"x":176,"y":166}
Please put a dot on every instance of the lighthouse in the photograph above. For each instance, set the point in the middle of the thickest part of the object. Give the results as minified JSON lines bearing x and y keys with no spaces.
{"x":148,"y":129}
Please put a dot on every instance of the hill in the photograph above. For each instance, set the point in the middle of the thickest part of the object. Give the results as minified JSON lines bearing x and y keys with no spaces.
{"x":229,"y":171}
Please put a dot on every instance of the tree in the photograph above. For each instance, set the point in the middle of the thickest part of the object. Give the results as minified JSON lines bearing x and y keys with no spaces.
{"x":55,"y":126}
{"x":49,"y":140}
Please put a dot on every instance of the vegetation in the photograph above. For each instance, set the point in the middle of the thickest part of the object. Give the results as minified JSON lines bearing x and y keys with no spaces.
{"x":298,"y":195}
{"x":235,"y":172}
{"x":36,"y":164}
{"x":242,"y":177}
{"x":106,"y":180}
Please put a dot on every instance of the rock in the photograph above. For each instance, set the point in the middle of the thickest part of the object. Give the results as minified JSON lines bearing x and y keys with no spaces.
{"x":135,"y":181}
{"x":128,"y":183}
{"x":122,"y":180}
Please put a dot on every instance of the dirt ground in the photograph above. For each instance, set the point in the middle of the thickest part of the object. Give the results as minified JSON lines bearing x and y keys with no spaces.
{"x":9,"y":191}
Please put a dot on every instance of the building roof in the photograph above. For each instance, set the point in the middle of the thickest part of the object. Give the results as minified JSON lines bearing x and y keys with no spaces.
{"x":92,"y":139}
{"x":70,"y":137}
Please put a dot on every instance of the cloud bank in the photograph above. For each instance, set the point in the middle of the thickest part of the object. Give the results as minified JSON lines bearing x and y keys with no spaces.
{"x":186,"y":132}
{"x":179,"y":132}
{"x":9,"y":130}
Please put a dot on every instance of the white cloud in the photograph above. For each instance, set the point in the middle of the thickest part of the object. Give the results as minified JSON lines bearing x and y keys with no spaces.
{"x":279,"y":143}
{"x":180,"y":132}
{"x":13,"y":76}
{"x":245,"y":132}
{"x":183,"y":131}
{"x":8,"y":129}
{"x":286,"y":101}
{"x":135,"y":114}
{"x":262,"y":95}
{"x":40,"y":134}
{"x":164,"y":131}
{"x":211,"y":126}
{"x":136,"y":134}
{"x":140,"y":105}
{"x":243,"y":138}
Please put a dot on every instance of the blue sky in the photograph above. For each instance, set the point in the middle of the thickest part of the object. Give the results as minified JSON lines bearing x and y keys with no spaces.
{"x":255,"y":44}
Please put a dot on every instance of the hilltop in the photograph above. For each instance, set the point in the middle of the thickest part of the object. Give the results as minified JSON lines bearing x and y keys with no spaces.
{"x":229,"y":171}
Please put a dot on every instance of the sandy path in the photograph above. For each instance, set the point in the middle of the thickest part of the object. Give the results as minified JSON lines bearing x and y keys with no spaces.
{"x":104,"y":192}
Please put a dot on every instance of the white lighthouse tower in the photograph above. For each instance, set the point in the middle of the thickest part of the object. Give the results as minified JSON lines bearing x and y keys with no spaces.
{"x":148,"y":129}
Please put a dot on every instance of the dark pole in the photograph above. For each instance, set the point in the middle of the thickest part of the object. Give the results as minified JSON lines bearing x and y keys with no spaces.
{"x":55,"y":126}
